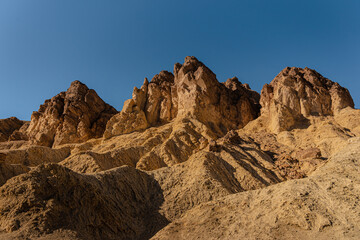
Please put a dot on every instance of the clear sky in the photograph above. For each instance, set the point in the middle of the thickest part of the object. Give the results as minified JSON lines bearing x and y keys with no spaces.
{"x":111,"y":45}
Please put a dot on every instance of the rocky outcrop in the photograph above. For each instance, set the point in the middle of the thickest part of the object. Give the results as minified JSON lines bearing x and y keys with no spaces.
{"x":117,"y":204}
{"x":349,"y":119}
{"x":8,"y":171}
{"x":186,"y":151}
{"x":153,"y":148}
{"x":297,"y":93}
{"x":220,"y":106}
{"x":8,"y":126}
{"x":191,"y":92}
{"x":76,"y":115}
{"x":208,"y":175}
{"x":34,"y":155}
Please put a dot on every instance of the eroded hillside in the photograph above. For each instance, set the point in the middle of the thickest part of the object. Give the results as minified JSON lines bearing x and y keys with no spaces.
{"x":187,"y":157}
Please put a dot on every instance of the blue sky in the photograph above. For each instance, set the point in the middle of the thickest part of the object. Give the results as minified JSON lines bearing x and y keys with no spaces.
{"x":111,"y":45}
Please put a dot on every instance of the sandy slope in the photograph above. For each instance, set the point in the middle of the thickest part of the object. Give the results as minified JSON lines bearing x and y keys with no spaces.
{"x":323,"y":206}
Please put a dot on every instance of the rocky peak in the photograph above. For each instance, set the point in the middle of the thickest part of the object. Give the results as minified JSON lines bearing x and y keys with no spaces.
{"x":163,"y":76}
{"x":191,"y":64}
{"x":191,"y":92}
{"x":194,"y":72}
{"x":297,"y":93}
{"x":70,"y":117}
{"x":77,"y":91}
{"x":243,"y":90}
{"x":221,"y":106}
{"x":233,"y":84}
{"x":8,"y":126}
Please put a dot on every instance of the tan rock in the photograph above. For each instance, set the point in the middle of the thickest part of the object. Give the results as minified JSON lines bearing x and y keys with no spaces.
{"x":308,"y":153}
{"x":70,"y":117}
{"x":8,"y":171}
{"x":297,"y":93}
{"x":121,"y":203}
{"x":220,"y":106}
{"x":192,"y":92}
{"x":349,"y":119}
{"x":20,"y":135}
{"x":210,"y":175}
{"x":34,"y":155}
{"x":92,"y":162}
{"x":130,"y":119}
{"x":8,"y":126}
{"x":198,"y":163}
{"x":309,"y":146}
{"x":322,"y":206}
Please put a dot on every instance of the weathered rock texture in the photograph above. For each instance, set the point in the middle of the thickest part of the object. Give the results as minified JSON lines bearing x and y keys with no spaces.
{"x":323,"y":206}
{"x":116,"y":204}
{"x":8,"y":126}
{"x":191,"y":92}
{"x":73,"y":116}
{"x":153,"y":148}
{"x":209,"y":175}
{"x":34,"y":155}
{"x":349,"y":119}
{"x":187,"y":158}
{"x":297,"y":93}
{"x":8,"y":171}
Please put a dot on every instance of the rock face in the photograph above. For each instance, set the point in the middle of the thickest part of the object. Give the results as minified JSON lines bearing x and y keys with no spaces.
{"x":34,"y":155}
{"x":8,"y":171}
{"x":187,"y":158}
{"x":297,"y":93}
{"x":349,"y":119}
{"x":8,"y":126}
{"x":70,"y":117}
{"x":117,"y":204}
{"x":193,"y":92}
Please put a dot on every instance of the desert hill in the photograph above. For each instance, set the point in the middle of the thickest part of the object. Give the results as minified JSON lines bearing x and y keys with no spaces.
{"x":188,"y":157}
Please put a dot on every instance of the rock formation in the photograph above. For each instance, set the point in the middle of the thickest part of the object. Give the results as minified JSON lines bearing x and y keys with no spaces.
{"x":70,"y":117}
{"x":8,"y":171}
{"x":192,"y":92}
{"x":188,"y":157}
{"x":297,"y":93}
{"x":117,"y":204}
{"x":32,"y":156}
{"x":349,"y":119}
{"x":8,"y":126}
{"x":322,"y":206}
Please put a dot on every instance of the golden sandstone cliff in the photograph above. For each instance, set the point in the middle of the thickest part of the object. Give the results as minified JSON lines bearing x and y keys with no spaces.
{"x":188,"y":157}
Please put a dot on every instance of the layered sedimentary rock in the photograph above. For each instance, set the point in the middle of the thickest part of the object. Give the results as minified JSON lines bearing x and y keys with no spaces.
{"x":8,"y":126}
{"x":191,"y":92}
{"x":297,"y":93}
{"x":70,"y":117}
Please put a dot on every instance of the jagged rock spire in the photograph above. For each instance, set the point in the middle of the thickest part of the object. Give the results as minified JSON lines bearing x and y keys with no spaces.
{"x":70,"y":117}
{"x":191,"y":92}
